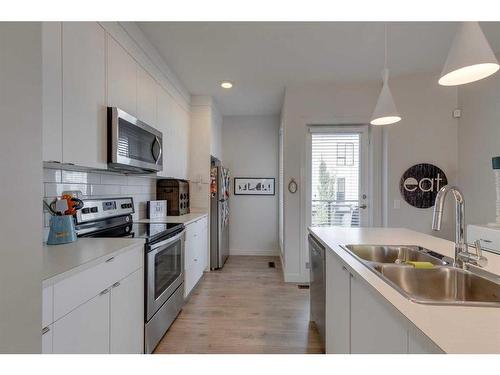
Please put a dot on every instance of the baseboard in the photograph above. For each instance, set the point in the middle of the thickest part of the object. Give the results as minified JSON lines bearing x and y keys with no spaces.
{"x":293,"y":278}
{"x":258,"y":252}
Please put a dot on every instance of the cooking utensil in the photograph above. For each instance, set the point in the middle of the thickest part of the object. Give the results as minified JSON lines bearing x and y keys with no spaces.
{"x":47,"y":206}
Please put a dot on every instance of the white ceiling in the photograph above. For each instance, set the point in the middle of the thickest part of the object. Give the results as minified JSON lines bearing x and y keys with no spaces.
{"x":262,"y":58}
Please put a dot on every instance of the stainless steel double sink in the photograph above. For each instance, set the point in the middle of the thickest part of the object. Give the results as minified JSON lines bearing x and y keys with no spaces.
{"x":442,"y":284}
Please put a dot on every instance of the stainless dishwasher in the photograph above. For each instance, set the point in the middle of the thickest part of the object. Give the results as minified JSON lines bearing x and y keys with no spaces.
{"x":317,"y":286}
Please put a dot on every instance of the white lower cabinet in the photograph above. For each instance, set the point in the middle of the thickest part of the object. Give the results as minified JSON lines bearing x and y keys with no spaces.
{"x":109,"y":320}
{"x":338,"y":310}
{"x":375,"y":326}
{"x":84,"y":330}
{"x":47,"y":333}
{"x":127,"y":316}
{"x":196,"y":247}
{"x":358,"y":320}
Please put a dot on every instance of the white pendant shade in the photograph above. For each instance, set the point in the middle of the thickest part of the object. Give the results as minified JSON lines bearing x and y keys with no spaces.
{"x":470,"y":58}
{"x":385,"y":111}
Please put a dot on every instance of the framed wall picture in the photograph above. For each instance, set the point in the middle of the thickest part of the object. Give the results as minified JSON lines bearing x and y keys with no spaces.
{"x":253,"y":186}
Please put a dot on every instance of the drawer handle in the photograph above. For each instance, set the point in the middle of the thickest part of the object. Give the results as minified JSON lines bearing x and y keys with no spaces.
{"x":117,"y":284}
{"x":344,"y":268}
{"x":485,"y":240}
{"x":45,"y":330}
{"x":105,"y":291}
{"x":195,"y":259}
{"x":110,"y":259}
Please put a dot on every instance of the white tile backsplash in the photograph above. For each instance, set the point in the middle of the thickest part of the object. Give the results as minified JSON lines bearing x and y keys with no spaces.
{"x":78,"y":177}
{"x":100,"y":185}
{"x":51,"y":175}
{"x":113,"y":179}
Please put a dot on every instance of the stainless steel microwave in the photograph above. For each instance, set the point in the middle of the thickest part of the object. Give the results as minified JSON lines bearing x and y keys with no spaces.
{"x":133,"y":146}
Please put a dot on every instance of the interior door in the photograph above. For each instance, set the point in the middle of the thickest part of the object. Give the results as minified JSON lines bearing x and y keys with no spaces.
{"x":338,"y":182}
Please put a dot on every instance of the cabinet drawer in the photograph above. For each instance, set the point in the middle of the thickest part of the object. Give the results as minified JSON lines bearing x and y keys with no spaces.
{"x":47,"y":306}
{"x":79,"y":288}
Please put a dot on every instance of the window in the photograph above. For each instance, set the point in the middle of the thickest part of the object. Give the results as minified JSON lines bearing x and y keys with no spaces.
{"x":341,"y":189}
{"x":345,"y":154}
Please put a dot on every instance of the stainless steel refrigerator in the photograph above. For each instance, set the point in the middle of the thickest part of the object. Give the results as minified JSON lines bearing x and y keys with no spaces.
{"x":219,"y":215}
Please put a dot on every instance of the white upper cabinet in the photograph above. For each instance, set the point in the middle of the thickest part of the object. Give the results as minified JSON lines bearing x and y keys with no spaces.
{"x":84,"y":94}
{"x":85,"y":70}
{"x":52,"y":93}
{"x":122,"y":78}
{"x":146,"y":97}
{"x":173,"y":122}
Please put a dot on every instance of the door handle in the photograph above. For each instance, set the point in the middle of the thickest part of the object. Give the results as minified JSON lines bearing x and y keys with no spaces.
{"x":45,"y":330}
{"x":156,"y":149}
{"x":363,"y":206}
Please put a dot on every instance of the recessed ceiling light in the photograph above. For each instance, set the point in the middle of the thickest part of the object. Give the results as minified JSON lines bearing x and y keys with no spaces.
{"x":226,"y":85}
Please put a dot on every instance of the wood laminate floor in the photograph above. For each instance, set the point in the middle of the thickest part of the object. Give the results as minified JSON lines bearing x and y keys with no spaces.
{"x":244,"y":308}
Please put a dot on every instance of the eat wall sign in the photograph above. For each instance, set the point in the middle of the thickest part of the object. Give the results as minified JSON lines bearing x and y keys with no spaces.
{"x":420,"y":184}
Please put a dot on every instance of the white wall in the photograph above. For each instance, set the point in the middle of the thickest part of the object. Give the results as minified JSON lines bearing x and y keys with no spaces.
{"x":427,"y":133}
{"x":250,"y":149}
{"x":479,"y":141}
{"x":21,"y":176}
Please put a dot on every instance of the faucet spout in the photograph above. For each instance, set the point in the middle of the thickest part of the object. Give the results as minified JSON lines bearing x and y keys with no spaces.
{"x":437,"y":218}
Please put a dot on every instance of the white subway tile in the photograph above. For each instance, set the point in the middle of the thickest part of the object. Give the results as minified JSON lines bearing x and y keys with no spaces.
{"x":136,"y":189}
{"x":113,"y":179}
{"x":136,"y":180}
{"x":77,"y":177}
{"x":105,"y":190}
{"x":51,"y":175}
{"x":53,"y":190}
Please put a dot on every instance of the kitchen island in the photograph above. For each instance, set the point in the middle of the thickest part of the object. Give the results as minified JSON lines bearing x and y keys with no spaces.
{"x":405,"y":326}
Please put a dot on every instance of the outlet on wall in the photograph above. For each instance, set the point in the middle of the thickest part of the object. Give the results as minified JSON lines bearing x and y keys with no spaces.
{"x":397,"y":204}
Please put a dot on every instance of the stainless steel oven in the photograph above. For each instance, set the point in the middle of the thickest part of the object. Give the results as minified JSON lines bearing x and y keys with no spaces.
{"x":164,"y":286}
{"x":133,"y":146}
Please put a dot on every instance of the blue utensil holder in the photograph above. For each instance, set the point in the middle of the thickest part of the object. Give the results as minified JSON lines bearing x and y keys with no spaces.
{"x":62,"y":230}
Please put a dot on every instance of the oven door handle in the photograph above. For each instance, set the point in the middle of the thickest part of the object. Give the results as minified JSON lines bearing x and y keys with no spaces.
{"x":168,"y":241}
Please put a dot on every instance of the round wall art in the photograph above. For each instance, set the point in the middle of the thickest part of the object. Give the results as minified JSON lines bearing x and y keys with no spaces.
{"x":420,"y":184}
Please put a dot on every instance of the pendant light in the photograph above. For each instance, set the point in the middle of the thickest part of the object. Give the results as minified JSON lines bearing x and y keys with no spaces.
{"x":385,"y":111}
{"x":470,"y":58}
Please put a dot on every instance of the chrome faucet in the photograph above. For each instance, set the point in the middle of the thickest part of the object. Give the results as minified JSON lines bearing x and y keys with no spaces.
{"x":462,"y":255}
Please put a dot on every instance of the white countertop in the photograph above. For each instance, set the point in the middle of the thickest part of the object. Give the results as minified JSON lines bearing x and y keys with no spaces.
{"x":184,"y":219}
{"x":456,"y":329}
{"x":61,"y":261}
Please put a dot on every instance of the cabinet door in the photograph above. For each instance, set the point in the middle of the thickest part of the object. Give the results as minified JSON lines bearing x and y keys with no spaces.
{"x":165,"y":125}
{"x":122,"y":78}
{"x":204,"y":244}
{"x":47,"y":336}
{"x":84,"y":99}
{"x":419,"y":343}
{"x":52,"y":91}
{"x":189,"y":265}
{"x":127,"y":315}
{"x":146,"y":97}
{"x":338,"y":312}
{"x":84,"y":330}
{"x":376,"y":327}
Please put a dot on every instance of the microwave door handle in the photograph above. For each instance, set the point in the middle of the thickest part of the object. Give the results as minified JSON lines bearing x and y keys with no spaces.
{"x":156,"y":158}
